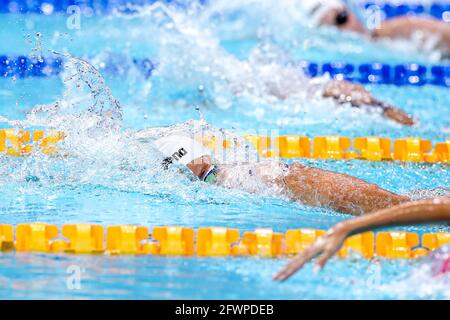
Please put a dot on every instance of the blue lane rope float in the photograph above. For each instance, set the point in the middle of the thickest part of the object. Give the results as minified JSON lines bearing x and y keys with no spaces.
{"x":25,"y":67}
{"x":368,"y":73}
{"x":22,"y":66}
{"x":380,"y":73}
{"x":48,"y":7}
{"x":438,"y":10}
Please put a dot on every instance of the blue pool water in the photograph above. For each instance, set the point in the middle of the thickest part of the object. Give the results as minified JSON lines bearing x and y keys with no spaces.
{"x":192,"y":50}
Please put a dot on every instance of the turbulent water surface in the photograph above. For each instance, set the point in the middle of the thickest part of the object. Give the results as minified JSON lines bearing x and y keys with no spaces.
{"x":225,"y":69}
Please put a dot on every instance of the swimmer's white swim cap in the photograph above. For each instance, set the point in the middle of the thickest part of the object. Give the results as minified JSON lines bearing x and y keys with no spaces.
{"x":316,"y":9}
{"x":181,"y":149}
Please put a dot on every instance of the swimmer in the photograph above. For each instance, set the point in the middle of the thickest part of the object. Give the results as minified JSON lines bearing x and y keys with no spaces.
{"x":296,"y":182}
{"x":289,"y":82}
{"x":283,"y":82}
{"x":346,"y":92}
{"x":341,"y":91}
{"x":339,"y":13}
{"x":410,"y":213}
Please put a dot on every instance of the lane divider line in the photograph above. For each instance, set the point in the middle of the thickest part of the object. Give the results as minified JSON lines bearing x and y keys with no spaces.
{"x":409,"y":74}
{"x":15,"y":142}
{"x":205,"y":242}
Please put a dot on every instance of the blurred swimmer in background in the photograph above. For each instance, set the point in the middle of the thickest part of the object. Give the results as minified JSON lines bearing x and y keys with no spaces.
{"x":267,"y":72}
{"x":346,"y":92}
{"x":346,"y":16}
{"x":282,"y":82}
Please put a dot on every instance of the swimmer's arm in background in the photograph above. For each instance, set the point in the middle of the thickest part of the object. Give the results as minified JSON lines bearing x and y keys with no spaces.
{"x":418,"y":212}
{"x":405,"y":27}
{"x":347,"y":92}
{"x":340,"y":192}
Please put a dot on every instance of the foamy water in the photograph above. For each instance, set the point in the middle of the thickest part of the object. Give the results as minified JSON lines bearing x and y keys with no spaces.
{"x":199,"y":73}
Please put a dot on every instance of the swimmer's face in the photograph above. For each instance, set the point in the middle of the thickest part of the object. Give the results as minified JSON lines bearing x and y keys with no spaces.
{"x":343,"y":19}
{"x":200,"y":165}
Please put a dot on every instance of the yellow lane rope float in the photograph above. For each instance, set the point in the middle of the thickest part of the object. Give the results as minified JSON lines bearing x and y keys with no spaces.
{"x":205,"y":242}
{"x":22,"y":142}
{"x":362,"y":148}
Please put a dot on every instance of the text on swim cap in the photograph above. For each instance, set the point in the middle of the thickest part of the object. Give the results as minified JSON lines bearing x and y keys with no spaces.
{"x":175,"y":156}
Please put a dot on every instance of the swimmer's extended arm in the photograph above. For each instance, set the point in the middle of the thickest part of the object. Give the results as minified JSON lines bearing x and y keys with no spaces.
{"x":357,"y":95}
{"x":417,"y":212}
{"x":341,"y":192}
{"x":404,"y":27}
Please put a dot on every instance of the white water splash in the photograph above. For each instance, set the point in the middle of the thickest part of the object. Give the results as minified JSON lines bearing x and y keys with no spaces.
{"x":426,"y":281}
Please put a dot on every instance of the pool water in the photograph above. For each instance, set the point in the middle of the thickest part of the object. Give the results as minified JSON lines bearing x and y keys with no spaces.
{"x":193,"y":49}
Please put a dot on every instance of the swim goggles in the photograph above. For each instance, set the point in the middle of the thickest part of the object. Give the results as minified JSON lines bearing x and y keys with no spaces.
{"x":210,"y":176}
{"x":341,"y":18}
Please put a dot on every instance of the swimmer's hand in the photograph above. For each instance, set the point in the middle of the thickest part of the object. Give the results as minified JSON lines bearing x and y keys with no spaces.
{"x":408,"y":213}
{"x":397,"y":115}
{"x":325,"y":247}
{"x":357,"y":96}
